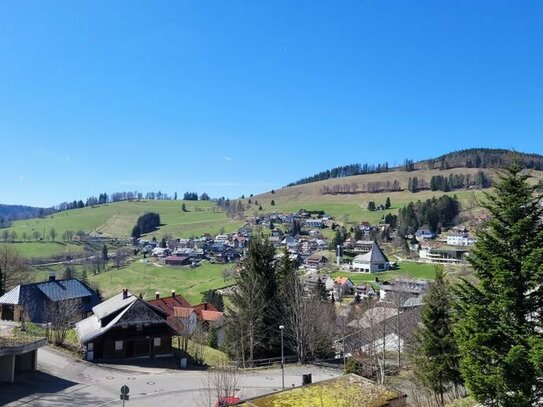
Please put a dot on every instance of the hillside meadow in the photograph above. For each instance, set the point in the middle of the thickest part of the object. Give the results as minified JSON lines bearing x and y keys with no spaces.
{"x":117,"y":220}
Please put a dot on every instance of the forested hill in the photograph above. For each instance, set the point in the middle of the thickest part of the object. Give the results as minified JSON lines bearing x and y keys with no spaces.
{"x":470,"y":158}
{"x":9,"y":213}
{"x":481,"y":158}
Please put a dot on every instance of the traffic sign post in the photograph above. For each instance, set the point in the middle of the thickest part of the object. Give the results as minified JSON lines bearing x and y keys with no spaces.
{"x":124,"y":393}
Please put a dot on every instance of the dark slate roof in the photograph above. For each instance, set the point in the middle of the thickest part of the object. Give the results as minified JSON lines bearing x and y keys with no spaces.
{"x":60,"y":290}
{"x":35,"y":297}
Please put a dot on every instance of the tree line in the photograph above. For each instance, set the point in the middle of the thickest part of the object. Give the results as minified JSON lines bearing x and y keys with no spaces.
{"x":459,"y":181}
{"x":343,"y":171}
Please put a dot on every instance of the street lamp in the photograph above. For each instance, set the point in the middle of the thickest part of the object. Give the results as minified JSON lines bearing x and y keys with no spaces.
{"x":281,"y":328}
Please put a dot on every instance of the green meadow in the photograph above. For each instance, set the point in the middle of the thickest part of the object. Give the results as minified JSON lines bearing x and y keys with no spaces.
{"x":407,"y":269}
{"x":142,"y":277}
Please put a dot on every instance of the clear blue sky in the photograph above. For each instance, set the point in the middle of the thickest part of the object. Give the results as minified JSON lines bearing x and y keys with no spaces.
{"x":233,"y":97}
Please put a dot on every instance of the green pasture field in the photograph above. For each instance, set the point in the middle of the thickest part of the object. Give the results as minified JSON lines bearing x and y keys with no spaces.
{"x":141,"y":277}
{"x":408,"y":269}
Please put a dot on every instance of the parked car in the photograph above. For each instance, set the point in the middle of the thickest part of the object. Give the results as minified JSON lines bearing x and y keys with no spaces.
{"x":227,"y":401}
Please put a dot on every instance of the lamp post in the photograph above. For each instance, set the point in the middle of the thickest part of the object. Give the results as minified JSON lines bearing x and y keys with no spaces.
{"x":281,"y":328}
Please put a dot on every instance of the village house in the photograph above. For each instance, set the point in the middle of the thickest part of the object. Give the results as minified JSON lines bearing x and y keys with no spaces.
{"x":340,"y":286}
{"x":313,"y":223}
{"x":177,"y":261}
{"x":315,"y":262}
{"x":460,"y":239}
{"x":401,"y":286}
{"x":125,"y":326}
{"x":40,"y":302}
{"x":365,"y":291}
{"x":424,"y":234}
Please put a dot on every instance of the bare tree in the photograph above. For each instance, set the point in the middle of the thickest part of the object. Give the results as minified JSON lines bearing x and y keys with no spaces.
{"x":121,"y":255}
{"x":96,"y":264}
{"x":61,"y":316}
{"x":24,"y":236}
{"x":36,"y":235}
{"x":13,"y":236}
{"x":53,"y":234}
{"x":13,"y":268}
{"x":221,"y":381}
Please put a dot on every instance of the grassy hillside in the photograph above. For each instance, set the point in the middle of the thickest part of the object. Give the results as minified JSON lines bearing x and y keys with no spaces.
{"x":351,"y":208}
{"x":116,"y":220}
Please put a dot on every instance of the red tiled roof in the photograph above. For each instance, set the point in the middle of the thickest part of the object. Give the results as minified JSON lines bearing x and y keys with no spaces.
{"x":168,"y":304}
{"x":211,"y":315}
{"x":182,"y":312}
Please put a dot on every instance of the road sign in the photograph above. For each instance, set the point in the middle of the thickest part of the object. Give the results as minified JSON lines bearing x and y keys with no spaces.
{"x":125,"y":397}
{"x":125,"y":390}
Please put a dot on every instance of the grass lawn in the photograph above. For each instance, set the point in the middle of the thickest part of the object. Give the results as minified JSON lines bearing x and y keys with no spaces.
{"x":349,"y":390}
{"x":209,"y":356}
{"x":147,"y":278}
{"x":46,"y":249}
{"x":423,"y":271}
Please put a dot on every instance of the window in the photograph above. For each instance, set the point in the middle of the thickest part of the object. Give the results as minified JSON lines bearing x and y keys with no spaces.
{"x":157,"y":342}
{"x":90,"y":346}
{"x":118,"y":345}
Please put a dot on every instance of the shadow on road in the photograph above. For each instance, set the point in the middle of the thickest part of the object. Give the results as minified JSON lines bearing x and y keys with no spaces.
{"x":32,"y":383}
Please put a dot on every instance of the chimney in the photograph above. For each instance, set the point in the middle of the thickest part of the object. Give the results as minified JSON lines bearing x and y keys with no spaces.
{"x":51,"y":277}
{"x":173,"y":293}
{"x":205,"y":306}
{"x":157,"y":295}
{"x":125,"y":293}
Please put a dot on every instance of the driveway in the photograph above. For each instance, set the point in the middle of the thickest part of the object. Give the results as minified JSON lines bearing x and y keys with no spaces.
{"x":64,"y":381}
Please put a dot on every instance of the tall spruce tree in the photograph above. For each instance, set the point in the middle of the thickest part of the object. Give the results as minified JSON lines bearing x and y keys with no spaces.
{"x":435,"y":354}
{"x":498,"y":325}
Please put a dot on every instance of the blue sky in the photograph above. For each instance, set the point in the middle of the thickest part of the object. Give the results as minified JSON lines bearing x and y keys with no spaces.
{"x":238,"y":97}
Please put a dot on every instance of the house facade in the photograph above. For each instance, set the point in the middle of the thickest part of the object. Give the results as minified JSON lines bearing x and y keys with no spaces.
{"x":125,"y":326}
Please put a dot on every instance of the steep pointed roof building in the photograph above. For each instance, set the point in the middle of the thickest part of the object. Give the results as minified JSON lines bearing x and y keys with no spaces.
{"x":373,"y":261}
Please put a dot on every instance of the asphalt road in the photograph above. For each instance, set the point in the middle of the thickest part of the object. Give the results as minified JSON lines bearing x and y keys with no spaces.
{"x":64,"y":381}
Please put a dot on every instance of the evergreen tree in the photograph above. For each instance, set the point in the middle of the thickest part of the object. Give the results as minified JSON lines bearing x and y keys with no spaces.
{"x":212,"y":338}
{"x":215,"y":298}
{"x":84,"y":277}
{"x":105,"y":256}
{"x":498,"y":326}
{"x":320,"y":292}
{"x":272,"y":203}
{"x":163,"y":243}
{"x":387,"y":203}
{"x":436,"y":355}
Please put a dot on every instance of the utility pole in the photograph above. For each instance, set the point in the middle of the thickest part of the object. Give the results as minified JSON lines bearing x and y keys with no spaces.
{"x":281,"y":328}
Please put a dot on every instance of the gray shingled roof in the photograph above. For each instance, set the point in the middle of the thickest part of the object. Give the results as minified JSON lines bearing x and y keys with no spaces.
{"x":11,"y":297}
{"x":375,"y":255}
{"x":60,"y":290}
{"x":112,"y":305}
{"x":136,"y":312}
